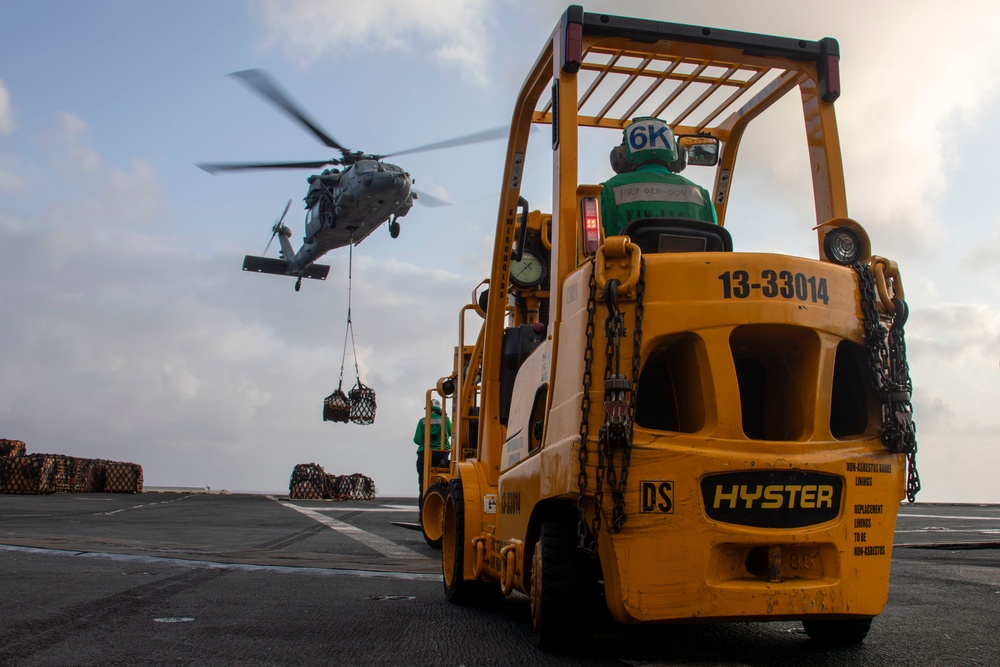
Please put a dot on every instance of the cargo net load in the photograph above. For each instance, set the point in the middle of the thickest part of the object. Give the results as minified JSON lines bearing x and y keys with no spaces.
{"x":42,"y":474}
{"x":358,"y":405}
{"x":310,"y":482}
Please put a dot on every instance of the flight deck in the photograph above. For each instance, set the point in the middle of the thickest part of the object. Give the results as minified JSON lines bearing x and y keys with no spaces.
{"x":215,"y":579}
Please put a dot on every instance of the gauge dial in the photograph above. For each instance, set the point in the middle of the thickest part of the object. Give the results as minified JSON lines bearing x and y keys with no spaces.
{"x":529,"y":271}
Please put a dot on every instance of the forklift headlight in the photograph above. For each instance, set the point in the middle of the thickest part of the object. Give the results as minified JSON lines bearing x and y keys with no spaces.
{"x":843,"y":246}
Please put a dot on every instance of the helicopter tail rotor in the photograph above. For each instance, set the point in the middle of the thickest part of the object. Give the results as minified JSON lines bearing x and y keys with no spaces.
{"x":277,"y":227}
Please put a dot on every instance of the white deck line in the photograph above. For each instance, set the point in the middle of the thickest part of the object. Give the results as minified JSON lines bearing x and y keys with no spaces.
{"x":385,"y":547}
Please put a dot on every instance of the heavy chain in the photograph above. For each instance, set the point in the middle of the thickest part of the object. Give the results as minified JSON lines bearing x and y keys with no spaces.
{"x":614,"y":433}
{"x":588,"y":546}
{"x":619,"y":402}
{"x":617,"y":426}
{"x":640,"y":310}
{"x":890,"y":375}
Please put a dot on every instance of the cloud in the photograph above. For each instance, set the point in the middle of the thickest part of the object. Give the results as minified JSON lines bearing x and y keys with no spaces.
{"x":121,"y":343}
{"x":69,"y":144}
{"x":454,"y":30}
{"x":914,"y":78}
{"x":6,"y":111}
{"x":959,"y":333}
{"x":10,"y":179}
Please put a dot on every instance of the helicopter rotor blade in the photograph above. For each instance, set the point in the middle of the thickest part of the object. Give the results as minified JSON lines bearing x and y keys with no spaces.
{"x":215,"y":167}
{"x":430,"y":200}
{"x":259,"y":81}
{"x":478,"y":137}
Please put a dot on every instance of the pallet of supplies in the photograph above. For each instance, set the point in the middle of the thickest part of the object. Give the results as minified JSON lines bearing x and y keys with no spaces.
{"x":11,"y":447}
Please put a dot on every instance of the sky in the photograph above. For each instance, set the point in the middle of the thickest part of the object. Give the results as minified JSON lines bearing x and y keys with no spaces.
{"x":129,"y":332}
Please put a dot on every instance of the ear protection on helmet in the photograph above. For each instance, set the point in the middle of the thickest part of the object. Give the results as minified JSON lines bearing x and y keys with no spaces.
{"x":677,"y":166}
{"x":619,"y":161}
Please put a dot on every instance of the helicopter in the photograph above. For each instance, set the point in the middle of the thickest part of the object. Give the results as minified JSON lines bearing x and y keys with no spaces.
{"x":353,"y":195}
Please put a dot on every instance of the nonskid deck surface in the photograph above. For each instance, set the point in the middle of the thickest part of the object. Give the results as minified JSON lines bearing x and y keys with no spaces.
{"x":207,"y":579}
{"x":236,"y":529}
{"x":271,"y":530}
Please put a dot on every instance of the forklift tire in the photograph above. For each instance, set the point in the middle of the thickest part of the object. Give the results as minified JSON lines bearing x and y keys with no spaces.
{"x":564,"y":590}
{"x":432,"y":514}
{"x":458,"y":589}
{"x":840,"y":632}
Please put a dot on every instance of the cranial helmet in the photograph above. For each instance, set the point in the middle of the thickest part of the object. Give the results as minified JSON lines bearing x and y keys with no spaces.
{"x":649,"y":140}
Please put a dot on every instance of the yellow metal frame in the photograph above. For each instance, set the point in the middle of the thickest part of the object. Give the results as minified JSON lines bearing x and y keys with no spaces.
{"x":688,"y":565}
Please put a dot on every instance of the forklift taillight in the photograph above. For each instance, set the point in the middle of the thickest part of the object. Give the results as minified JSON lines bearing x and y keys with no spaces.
{"x":591,"y":226}
{"x":573,"y":48}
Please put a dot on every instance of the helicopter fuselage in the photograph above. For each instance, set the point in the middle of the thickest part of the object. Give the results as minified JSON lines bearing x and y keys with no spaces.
{"x":344,"y":207}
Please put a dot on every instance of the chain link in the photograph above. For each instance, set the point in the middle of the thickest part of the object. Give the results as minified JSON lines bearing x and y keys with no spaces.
{"x":640,"y":309}
{"x":613,"y":435}
{"x":588,"y":547}
{"x":890,"y":375}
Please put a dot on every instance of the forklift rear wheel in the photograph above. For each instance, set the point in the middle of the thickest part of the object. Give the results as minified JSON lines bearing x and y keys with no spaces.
{"x":563,"y":588}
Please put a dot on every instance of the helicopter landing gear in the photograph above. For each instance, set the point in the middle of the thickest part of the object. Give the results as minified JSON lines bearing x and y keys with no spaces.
{"x":298,"y":284}
{"x":393,"y":229}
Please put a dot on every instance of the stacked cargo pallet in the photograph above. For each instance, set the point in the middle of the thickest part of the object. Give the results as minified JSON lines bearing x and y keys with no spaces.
{"x":25,"y":473}
{"x":310,"y":482}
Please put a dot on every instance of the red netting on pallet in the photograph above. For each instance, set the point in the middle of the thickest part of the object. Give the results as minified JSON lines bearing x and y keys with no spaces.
{"x":83,"y":476}
{"x":62,"y":469}
{"x":11,"y":447}
{"x":310,"y":482}
{"x":30,"y":474}
{"x":350,"y":487}
{"x":56,"y":473}
{"x":119,"y":477}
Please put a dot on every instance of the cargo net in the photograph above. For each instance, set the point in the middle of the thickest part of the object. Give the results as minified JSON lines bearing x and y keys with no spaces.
{"x":11,"y":447}
{"x":310,"y":482}
{"x":358,"y":405}
{"x":337,"y":407}
{"x":120,"y":477}
{"x":55,"y":473}
{"x":362,"y":404}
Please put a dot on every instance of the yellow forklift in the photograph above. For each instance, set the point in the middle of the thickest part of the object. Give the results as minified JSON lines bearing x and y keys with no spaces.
{"x":656,"y":422}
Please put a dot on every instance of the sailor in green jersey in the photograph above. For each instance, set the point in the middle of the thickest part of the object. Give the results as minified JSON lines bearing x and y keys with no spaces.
{"x":646,"y":184}
{"x":439,"y":457}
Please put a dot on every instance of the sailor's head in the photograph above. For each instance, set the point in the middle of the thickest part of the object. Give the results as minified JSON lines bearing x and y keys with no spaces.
{"x":645,"y":140}
{"x":435,"y":404}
